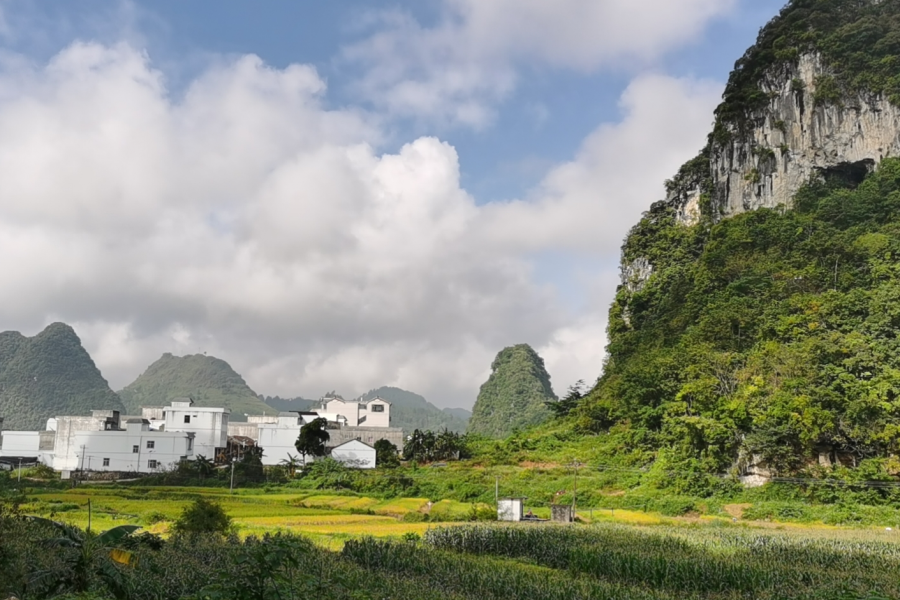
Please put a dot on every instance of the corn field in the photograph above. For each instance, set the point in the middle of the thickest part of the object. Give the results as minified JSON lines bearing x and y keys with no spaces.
{"x":598,"y":562}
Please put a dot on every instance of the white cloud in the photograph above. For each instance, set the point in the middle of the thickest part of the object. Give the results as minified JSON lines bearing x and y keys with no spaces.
{"x":458,"y":70}
{"x":246,"y":220}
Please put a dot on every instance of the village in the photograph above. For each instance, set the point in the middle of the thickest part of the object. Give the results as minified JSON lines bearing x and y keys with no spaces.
{"x":109,"y":445}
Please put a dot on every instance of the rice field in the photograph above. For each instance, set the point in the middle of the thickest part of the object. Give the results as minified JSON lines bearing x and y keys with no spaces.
{"x":329,"y":520}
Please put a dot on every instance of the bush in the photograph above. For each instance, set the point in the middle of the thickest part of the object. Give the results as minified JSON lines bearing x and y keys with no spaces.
{"x":203,"y":517}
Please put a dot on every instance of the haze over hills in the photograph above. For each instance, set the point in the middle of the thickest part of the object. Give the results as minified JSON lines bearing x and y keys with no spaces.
{"x":758,"y":311}
{"x":48,"y":375}
{"x":208,"y":380}
{"x":514,"y":395}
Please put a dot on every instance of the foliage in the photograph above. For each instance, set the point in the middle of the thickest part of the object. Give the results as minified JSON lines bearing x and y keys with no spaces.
{"x":203,"y":516}
{"x":207,"y":380}
{"x":569,"y":402}
{"x":386,"y":454}
{"x":428,"y":446}
{"x":312,"y":438}
{"x":514,"y":395}
{"x":770,"y":334}
{"x":47,"y":375}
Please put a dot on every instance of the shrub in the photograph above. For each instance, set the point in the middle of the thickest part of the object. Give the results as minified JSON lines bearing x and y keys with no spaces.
{"x":203,"y":516}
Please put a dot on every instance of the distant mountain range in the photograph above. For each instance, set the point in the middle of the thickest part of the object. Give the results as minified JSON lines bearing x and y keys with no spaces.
{"x":51,"y":374}
{"x":48,"y":375}
{"x":208,"y":380}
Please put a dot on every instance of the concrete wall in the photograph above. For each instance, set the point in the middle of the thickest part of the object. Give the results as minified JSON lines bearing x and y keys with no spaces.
{"x":20,"y":443}
{"x":348,"y":410}
{"x":131,"y":450}
{"x":65,"y":446}
{"x":355,"y":454}
{"x":376,"y":413}
{"x":369,"y":435}
{"x":277,"y":439}
{"x":209,"y":426}
{"x":510,"y":509}
{"x":250,"y":430}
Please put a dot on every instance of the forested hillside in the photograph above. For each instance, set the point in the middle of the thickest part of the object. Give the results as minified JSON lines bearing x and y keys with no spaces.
{"x":208,"y":380}
{"x":411,"y":411}
{"x":48,"y":375}
{"x":771,"y":336}
{"x":514,"y":395}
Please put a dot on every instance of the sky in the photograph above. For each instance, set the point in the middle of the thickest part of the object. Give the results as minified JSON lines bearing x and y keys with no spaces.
{"x":344,"y":194}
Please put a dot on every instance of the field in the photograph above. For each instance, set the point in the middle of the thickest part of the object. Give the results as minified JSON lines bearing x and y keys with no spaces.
{"x":364,"y":547}
{"x":327,"y":519}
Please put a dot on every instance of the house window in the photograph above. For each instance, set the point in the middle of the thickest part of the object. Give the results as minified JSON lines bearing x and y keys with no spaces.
{"x":378,"y":408}
{"x":105,"y":462}
{"x":151,"y":444}
{"x":187,"y":418}
{"x":135,"y":449}
{"x":151,"y":464}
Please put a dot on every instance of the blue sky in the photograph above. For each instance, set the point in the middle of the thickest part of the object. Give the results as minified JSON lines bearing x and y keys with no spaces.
{"x":500,"y":148}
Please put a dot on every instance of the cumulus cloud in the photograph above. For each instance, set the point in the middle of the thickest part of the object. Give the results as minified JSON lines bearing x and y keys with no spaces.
{"x":459,"y":69}
{"x":245,"y":219}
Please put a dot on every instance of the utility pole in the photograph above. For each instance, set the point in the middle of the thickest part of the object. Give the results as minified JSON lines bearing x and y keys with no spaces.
{"x":497,"y":490}
{"x":20,"y":471}
{"x":89,"y":516}
{"x":575,"y":464}
{"x":231,"y":491}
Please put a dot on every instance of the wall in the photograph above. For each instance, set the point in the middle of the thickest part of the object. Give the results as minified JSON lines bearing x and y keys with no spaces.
{"x":20,"y":444}
{"x":372,"y":418}
{"x":117,"y":446}
{"x":348,"y":410}
{"x":65,"y":447}
{"x":209,"y":425}
{"x":355,"y":454}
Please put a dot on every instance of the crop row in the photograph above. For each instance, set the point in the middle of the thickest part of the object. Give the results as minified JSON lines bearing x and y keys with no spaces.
{"x":730,"y":563}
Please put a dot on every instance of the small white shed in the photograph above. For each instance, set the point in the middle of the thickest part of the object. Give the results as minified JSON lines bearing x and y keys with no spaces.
{"x":355,"y":454}
{"x":510,"y":509}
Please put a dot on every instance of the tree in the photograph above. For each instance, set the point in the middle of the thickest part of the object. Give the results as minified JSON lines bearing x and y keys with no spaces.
{"x":291,"y":463}
{"x":93,"y":556}
{"x":386,"y":454}
{"x":312,"y":438}
{"x":205,"y":467}
{"x":563,"y":407}
{"x":203,"y":516}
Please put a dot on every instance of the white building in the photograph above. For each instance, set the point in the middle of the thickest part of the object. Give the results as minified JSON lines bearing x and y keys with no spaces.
{"x":355,"y":454}
{"x":209,"y":425}
{"x":65,"y":446}
{"x":278,"y":438}
{"x":134,"y":449}
{"x":374,"y":413}
{"x":27,"y":445}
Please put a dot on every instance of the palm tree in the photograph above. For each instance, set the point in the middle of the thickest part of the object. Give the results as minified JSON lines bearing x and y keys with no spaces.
{"x":291,"y":463}
{"x":205,"y":466}
{"x":94,"y":556}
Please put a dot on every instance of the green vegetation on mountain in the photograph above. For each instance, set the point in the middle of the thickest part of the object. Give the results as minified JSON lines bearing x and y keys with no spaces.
{"x":48,"y":375}
{"x":208,"y":380}
{"x":773,"y":333}
{"x":514,"y":395}
{"x":411,"y":411}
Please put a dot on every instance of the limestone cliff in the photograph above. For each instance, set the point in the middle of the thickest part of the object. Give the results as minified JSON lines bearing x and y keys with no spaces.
{"x":803,"y":135}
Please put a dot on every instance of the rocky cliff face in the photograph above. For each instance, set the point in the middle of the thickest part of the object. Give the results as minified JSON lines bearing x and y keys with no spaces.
{"x":804,"y":132}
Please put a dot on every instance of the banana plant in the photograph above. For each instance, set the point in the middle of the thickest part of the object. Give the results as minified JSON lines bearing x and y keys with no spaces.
{"x":90,"y":555}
